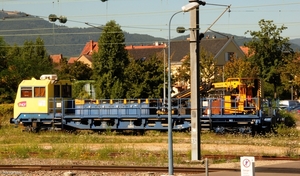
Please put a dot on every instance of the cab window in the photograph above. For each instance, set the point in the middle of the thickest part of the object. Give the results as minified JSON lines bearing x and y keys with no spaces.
{"x":66,"y":91}
{"x":56,"y":90}
{"x":39,"y":91}
{"x":26,"y":92}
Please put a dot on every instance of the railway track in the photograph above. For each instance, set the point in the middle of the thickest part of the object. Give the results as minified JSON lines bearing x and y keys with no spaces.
{"x":135,"y":169}
{"x":228,"y":157}
{"x":140,"y":169}
{"x":32,"y":168}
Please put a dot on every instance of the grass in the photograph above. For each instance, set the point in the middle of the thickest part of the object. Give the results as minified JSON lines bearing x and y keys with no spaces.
{"x":120,"y":149}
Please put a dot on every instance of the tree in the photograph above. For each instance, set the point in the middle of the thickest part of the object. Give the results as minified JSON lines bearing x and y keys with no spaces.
{"x":183,"y":72}
{"x":109,"y":63}
{"x":76,"y":71}
{"x":239,"y":68}
{"x":30,"y":60}
{"x":290,"y":76}
{"x":145,"y":77}
{"x":3,"y":52}
{"x":208,"y":68}
{"x":267,"y":50}
{"x":5,"y":94}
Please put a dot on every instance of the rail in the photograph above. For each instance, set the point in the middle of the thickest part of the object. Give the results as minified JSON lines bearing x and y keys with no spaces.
{"x":107,"y":168}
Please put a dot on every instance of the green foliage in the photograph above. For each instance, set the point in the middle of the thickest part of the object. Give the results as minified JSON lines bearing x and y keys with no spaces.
{"x":19,"y":63}
{"x":3,"y":51}
{"x":183,"y":72}
{"x":78,"y":89}
{"x":239,"y":68}
{"x":285,"y":131}
{"x":207,"y":66}
{"x":76,"y":71}
{"x":6,"y":109}
{"x":289,"y":119}
{"x":109,"y":63}
{"x":5,"y":92}
{"x":290,"y":76}
{"x":145,"y":77}
{"x":6,"y":112}
{"x":266,"y":50}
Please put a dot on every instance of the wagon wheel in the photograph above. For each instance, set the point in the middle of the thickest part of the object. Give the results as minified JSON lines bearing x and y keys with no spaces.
{"x":30,"y":129}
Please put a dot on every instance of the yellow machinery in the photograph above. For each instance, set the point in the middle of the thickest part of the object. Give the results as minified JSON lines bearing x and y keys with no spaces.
{"x":204,"y":88}
{"x":233,"y":96}
{"x":240,"y":95}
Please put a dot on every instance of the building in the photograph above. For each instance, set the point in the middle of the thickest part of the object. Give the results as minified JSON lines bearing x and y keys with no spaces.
{"x":147,"y":51}
{"x":56,"y":58}
{"x":137,"y":52}
{"x":87,"y":52}
{"x":222,"y":50}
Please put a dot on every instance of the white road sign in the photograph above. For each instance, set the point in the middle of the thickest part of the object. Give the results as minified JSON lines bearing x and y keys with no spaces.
{"x":247,"y":166}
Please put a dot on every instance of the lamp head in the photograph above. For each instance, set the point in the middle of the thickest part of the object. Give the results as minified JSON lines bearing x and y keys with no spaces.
{"x":190,"y":6}
{"x":180,"y":29}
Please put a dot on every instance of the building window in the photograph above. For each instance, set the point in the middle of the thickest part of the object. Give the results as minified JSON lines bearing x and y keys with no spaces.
{"x":228,"y":56}
{"x":26,"y":92}
{"x":39,"y":91}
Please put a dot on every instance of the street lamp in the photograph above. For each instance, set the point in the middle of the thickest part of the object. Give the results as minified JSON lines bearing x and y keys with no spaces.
{"x":53,"y":18}
{"x":185,"y":8}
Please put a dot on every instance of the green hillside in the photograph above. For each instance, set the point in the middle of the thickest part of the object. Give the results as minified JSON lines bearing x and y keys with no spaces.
{"x":60,"y":39}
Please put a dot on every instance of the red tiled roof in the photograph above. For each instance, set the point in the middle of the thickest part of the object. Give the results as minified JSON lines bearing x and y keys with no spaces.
{"x":56,"y":58}
{"x":89,"y":48}
{"x":72,"y":60}
{"x":179,"y":49}
{"x":131,"y":47}
{"x":144,"y":52}
{"x":135,"y":51}
{"x":245,"y":49}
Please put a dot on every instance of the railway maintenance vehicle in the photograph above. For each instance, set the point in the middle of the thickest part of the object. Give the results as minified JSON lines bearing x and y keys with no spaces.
{"x":234,"y":105}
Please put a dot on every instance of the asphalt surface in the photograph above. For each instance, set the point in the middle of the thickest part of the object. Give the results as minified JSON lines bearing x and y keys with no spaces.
{"x":285,"y":169}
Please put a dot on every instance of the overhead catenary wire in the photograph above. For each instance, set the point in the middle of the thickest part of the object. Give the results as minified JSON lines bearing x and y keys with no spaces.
{"x":86,"y":1}
{"x":83,"y":44}
{"x":240,"y":25}
{"x":228,"y":8}
{"x":162,"y":27}
{"x":208,"y":10}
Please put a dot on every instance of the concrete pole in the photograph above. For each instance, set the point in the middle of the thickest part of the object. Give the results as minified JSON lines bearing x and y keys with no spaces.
{"x":195,"y":84}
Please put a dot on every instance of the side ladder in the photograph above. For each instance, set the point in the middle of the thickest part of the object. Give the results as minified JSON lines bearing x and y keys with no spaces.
{"x":57,"y":122}
{"x":205,"y":123}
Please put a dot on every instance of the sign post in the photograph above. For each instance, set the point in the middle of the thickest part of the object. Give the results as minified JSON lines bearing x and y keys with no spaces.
{"x":247,"y":166}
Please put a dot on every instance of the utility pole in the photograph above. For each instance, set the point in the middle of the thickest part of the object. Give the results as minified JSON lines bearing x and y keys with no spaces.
{"x":196,"y":102}
{"x":195,"y":82}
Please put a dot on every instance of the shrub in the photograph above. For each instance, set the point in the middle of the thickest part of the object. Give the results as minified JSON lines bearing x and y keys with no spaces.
{"x":289,"y":118}
{"x":6,"y":109}
{"x":6,"y":112}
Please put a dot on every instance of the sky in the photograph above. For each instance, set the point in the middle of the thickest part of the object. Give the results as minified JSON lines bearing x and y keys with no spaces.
{"x":152,"y":16}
